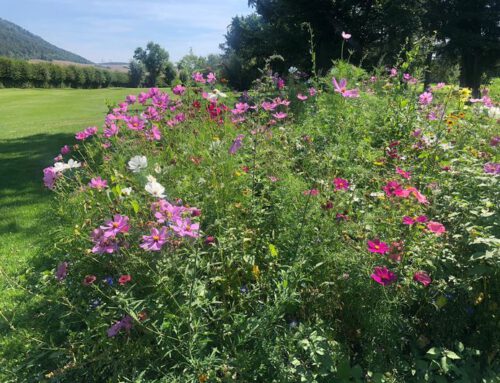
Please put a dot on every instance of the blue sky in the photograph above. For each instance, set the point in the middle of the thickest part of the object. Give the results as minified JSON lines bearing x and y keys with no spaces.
{"x":110,"y":30}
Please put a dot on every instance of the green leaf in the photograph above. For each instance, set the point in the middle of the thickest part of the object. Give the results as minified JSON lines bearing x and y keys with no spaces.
{"x":135,"y":206}
{"x":451,"y":354}
{"x":273,"y":250}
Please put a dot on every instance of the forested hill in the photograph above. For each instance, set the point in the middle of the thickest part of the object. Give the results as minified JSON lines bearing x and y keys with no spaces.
{"x":17,"y":42}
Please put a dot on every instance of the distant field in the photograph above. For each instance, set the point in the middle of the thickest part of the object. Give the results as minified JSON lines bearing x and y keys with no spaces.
{"x":34,"y":124}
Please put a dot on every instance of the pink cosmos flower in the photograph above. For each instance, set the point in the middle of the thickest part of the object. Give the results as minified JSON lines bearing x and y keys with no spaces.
{"x":281,"y":83}
{"x":83,"y":135}
{"x":102,"y":244}
{"x":312,"y":91}
{"x":166,"y":212}
{"x":376,"y":246}
{"x":383,"y":276}
{"x":211,"y":78}
{"x":301,"y":97}
{"x":421,"y":219}
{"x":422,"y":277}
{"x":98,"y":183}
{"x":402,"y":173}
{"x":495,"y":141}
{"x":436,"y":227}
{"x":342,"y":89}
{"x":135,"y":123}
{"x":236,"y":144}
{"x":280,"y":115}
{"x":131,"y":99}
{"x":49,"y":177}
{"x":341,"y":184}
{"x":178,"y":90}
{"x":184,"y":228}
{"x":492,"y":168}
{"x":425,"y":98}
{"x":154,"y":134}
{"x":346,"y":36}
{"x":111,"y":130}
{"x":156,"y":240}
{"x":124,"y":279}
{"x":89,"y":279}
{"x":240,"y":108}
{"x":268,"y":106}
{"x":312,"y":192}
{"x":119,"y":224}
{"x":393,"y":72}
{"x":198,"y":77}
{"x":65,"y":150}
{"x":408,"y":220}
{"x":392,"y":188}
{"x":283,"y":102}
{"x":419,"y":196}
{"x":62,"y":271}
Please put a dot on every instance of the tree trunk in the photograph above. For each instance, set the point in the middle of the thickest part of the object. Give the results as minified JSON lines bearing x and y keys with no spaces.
{"x":470,"y":76}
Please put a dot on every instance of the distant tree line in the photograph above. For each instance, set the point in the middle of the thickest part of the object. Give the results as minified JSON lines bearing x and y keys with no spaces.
{"x":18,"y":73}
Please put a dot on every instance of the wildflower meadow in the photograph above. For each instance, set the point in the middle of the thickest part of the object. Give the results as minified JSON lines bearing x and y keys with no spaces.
{"x":335,"y":228}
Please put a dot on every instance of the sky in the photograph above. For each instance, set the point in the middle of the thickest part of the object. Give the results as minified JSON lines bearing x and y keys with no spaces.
{"x":110,"y":30}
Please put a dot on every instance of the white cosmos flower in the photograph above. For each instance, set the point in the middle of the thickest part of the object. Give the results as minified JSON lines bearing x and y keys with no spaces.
{"x":61,"y":166}
{"x":127,"y":191}
{"x":137,"y":163}
{"x":154,"y":188}
{"x":219,"y":93}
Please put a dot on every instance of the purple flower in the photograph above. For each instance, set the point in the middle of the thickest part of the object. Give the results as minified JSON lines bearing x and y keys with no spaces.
{"x":236,"y":144}
{"x":156,"y":240}
{"x":280,"y":115}
{"x":49,"y":177}
{"x":184,"y":228}
{"x":135,"y":123}
{"x":425,"y":98}
{"x":62,"y":271}
{"x":65,"y":150}
{"x":124,"y":324}
{"x":102,"y":244}
{"x":492,"y":168}
{"x":119,"y":224}
{"x":178,"y":90}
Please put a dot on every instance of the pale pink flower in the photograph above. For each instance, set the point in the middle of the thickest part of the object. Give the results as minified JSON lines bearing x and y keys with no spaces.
{"x":436,"y":227}
{"x":346,"y":36}
{"x":425,"y":98}
{"x":422,"y":277}
{"x":156,"y":240}
{"x":98,"y":183}
{"x":341,"y":87}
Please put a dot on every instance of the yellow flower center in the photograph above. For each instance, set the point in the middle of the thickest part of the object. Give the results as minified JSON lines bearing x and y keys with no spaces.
{"x":156,"y":238}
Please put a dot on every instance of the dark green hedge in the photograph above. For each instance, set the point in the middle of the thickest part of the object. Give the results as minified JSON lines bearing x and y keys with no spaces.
{"x":19,"y":73}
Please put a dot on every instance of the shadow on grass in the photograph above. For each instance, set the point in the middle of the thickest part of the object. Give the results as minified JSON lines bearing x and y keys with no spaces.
{"x":21,"y":188}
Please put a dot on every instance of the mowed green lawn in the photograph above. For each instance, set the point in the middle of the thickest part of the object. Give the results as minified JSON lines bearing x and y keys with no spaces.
{"x":34,"y":124}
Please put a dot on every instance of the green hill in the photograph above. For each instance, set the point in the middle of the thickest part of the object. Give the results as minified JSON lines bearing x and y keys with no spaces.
{"x":17,"y":42}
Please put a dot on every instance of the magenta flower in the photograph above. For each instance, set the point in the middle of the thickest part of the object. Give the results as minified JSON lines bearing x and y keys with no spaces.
{"x":135,"y":123}
{"x":178,"y":90}
{"x":346,"y":36}
{"x":421,"y":219}
{"x":111,"y":130}
{"x":65,"y":150}
{"x":402,"y":173}
{"x":184,"y":228}
{"x":376,"y":246}
{"x":156,"y":240}
{"x":154,"y":134}
{"x":425,"y":98}
{"x":393,"y":72}
{"x":236,"y":144}
{"x":83,"y":135}
{"x":62,"y":271}
{"x":98,"y":183}
{"x":119,"y":224}
{"x":312,"y":91}
{"x":341,"y":184}
{"x":422,"y":277}
{"x":198,"y":77}
{"x":495,"y":141}
{"x":280,"y":115}
{"x":124,"y":279}
{"x":240,"y":108}
{"x":301,"y":97}
{"x":436,"y":227}
{"x":49,"y":177}
{"x":131,"y":99}
{"x":102,"y":244}
{"x":383,"y":276}
{"x":268,"y":106}
{"x":166,"y":212}
{"x":342,"y":89}
{"x":408,"y":220}
{"x":392,"y":188}
{"x":211,"y":78}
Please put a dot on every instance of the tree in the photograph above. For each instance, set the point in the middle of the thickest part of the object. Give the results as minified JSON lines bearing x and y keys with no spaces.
{"x":137,"y":73}
{"x":191,"y":63}
{"x":154,"y":58}
{"x":169,"y":73}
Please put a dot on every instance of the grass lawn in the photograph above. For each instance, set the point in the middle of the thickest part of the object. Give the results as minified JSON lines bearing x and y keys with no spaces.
{"x":34,"y":124}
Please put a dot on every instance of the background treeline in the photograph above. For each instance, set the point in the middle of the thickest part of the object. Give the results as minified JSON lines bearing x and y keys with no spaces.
{"x":459,"y":33}
{"x":24,"y":74}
